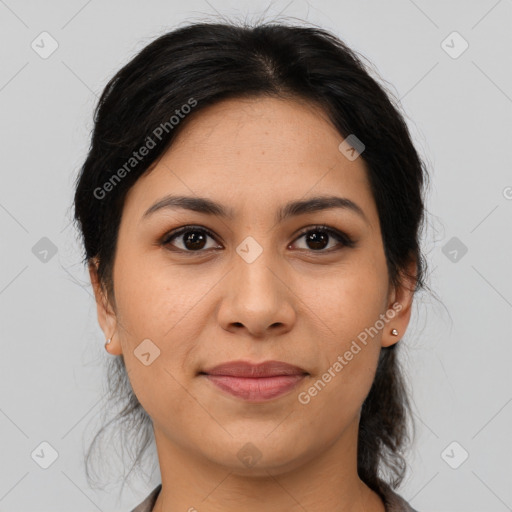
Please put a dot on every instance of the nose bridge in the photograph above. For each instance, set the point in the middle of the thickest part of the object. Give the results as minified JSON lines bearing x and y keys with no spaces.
{"x":253,"y":274}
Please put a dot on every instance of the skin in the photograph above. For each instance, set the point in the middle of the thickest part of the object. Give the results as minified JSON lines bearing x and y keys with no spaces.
{"x":293,"y":304}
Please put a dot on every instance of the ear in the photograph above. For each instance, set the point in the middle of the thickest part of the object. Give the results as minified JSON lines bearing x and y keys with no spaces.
{"x":400,"y":302}
{"x":106,"y":315}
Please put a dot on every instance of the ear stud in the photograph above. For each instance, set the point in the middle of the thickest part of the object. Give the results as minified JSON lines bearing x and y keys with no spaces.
{"x":107,"y":343}
{"x":394,"y":332}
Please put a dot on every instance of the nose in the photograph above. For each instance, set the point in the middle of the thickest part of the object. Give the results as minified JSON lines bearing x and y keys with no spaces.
{"x":257,"y":298}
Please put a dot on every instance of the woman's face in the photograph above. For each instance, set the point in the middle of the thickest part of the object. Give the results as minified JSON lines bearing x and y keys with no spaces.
{"x":263,"y":284}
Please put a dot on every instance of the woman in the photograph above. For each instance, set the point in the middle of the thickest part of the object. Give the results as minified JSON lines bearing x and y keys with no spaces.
{"x":250,"y":210}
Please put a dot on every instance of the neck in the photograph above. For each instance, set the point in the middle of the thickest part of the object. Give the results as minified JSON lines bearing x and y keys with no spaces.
{"x":320,"y":481}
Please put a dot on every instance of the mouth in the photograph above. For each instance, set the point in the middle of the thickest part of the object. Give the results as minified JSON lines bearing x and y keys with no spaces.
{"x":255,"y":382}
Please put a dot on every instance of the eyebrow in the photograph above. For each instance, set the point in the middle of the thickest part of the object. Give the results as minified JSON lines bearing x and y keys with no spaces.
{"x":290,"y":209}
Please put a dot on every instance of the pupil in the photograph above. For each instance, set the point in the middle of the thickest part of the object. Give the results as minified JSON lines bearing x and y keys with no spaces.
{"x":194,"y":240}
{"x":318,"y":239}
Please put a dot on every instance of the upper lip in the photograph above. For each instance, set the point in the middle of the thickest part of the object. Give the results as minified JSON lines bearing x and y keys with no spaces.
{"x":247,"y":369}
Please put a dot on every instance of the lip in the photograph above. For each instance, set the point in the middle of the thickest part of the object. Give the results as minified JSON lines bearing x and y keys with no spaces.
{"x":255,"y":382}
{"x":255,"y":370}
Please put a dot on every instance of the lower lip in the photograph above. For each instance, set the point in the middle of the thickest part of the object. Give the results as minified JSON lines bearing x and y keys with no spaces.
{"x":256,"y":389}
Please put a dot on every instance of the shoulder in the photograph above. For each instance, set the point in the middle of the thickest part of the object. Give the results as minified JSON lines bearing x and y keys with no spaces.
{"x":394,"y":502}
{"x":149,"y":502}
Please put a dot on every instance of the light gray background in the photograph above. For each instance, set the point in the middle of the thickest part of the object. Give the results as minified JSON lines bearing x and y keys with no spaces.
{"x":459,"y":111}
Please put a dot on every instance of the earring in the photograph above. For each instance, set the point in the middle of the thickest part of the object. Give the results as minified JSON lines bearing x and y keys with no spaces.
{"x":394,"y":332}
{"x":107,"y":343}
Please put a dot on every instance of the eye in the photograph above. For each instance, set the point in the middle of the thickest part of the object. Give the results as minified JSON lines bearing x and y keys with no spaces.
{"x":193,"y":238}
{"x":317,"y":237}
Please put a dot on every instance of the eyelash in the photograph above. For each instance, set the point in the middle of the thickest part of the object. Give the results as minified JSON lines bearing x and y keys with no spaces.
{"x":339,"y":236}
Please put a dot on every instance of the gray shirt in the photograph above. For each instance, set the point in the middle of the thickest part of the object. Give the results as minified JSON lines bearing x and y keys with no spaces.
{"x":392,"y":501}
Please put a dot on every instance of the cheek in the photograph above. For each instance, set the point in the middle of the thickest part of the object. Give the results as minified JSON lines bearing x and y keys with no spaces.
{"x":163,"y":304}
{"x":347,"y":301}
{"x":149,"y":298}
{"x":156,"y":303}
{"x":350,"y":352}
{"x":333,"y":398}
{"x":349,"y":305}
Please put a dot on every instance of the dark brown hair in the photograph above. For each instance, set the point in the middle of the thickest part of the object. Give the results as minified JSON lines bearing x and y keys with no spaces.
{"x":201,"y":64}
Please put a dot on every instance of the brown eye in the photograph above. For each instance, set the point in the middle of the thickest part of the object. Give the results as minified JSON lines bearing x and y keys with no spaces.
{"x":318,"y":238}
{"x":192,"y":239}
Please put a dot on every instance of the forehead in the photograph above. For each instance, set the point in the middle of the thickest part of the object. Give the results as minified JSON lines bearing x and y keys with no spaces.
{"x":262,"y":127}
{"x":262,"y":150}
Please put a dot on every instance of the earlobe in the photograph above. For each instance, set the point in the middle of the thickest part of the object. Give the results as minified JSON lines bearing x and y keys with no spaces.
{"x":399,"y":311}
{"x":112,"y":348}
{"x":399,"y":319}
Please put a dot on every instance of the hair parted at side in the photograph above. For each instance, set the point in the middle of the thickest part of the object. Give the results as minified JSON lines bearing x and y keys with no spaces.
{"x":203,"y":63}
